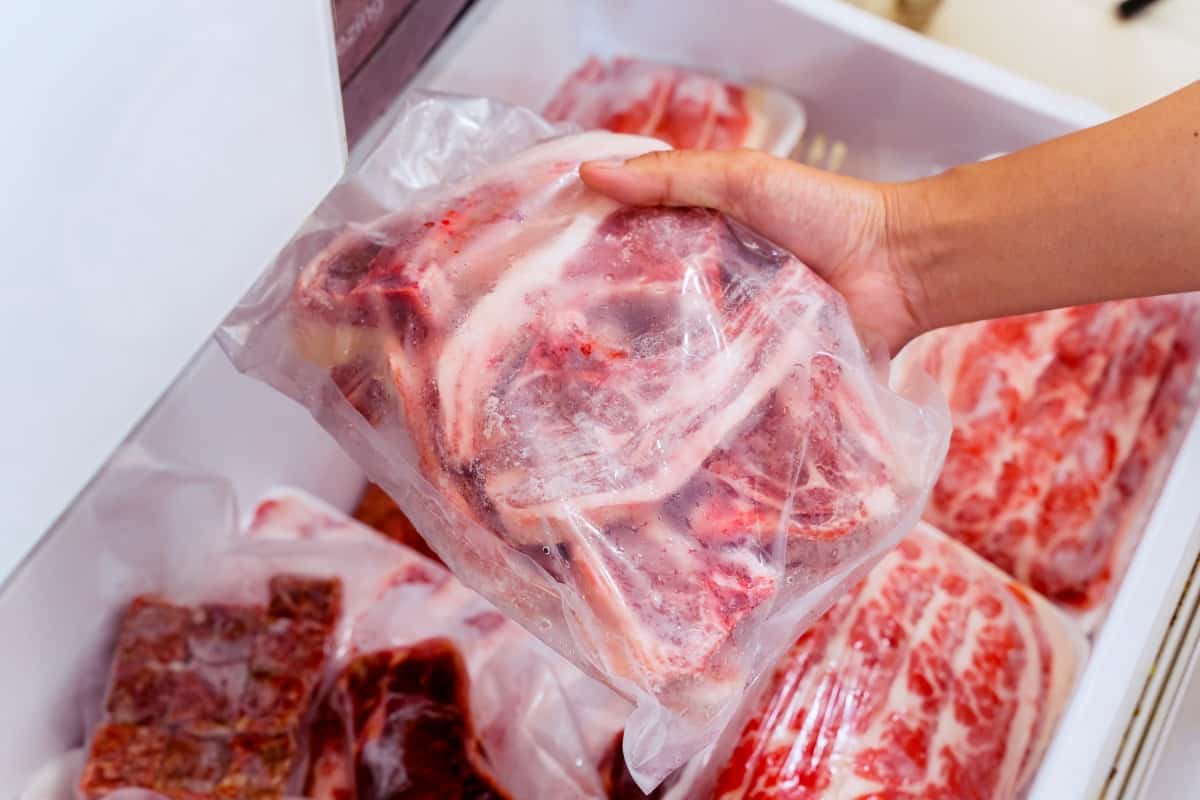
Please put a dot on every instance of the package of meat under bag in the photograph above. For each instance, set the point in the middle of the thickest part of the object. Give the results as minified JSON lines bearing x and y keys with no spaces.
{"x":938,"y":676}
{"x":215,"y":645}
{"x":235,"y":647}
{"x":437,"y":692}
{"x":685,"y":108}
{"x":1065,"y":425}
{"x":648,"y":435}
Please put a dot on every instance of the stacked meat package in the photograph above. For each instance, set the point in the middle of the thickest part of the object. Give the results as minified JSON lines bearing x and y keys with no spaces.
{"x":937,"y":677}
{"x":684,"y":108}
{"x":654,"y":445}
{"x":314,"y":658}
{"x":1065,"y":423}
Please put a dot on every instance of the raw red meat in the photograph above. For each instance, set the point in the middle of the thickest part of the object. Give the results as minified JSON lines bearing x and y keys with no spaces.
{"x":652,"y":428}
{"x":534,"y":725}
{"x":379,"y":511}
{"x":1060,"y":421}
{"x":618,"y":783}
{"x":936,"y":678}
{"x":685,"y":109}
{"x":411,"y":734}
{"x":666,"y":424}
{"x":208,"y":701}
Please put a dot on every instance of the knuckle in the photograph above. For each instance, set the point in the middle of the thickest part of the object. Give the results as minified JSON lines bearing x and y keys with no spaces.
{"x":747,"y":177}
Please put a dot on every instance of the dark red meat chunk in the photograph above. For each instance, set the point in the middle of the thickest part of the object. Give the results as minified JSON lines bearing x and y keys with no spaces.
{"x":301,"y":598}
{"x":122,"y":755}
{"x":192,"y":767}
{"x":379,"y":511}
{"x":290,"y":646}
{"x":208,"y":702}
{"x":221,"y":634}
{"x":397,"y":725}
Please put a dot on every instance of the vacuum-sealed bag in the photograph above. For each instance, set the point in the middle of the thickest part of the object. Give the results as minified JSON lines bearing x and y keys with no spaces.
{"x":648,"y":435}
{"x":301,"y":654}
{"x":1065,"y":423}
{"x":684,"y":108}
{"x":937,"y":677}
{"x":436,"y":691}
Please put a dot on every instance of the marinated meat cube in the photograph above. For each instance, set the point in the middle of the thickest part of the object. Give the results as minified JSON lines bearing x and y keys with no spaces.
{"x":397,"y":724}
{"x":122,"y":756}
{"x":192,"y":767}
{"x":260,"y":767}
{"x":182,"y":685}
{"x":139,"y":694}
{"x":290,"y":647}
{"x":221,"y":634}
{"x":153,"y":632}
{"x":377,"y":510}
{"x":301,"y":598}
{"x":937,"y":677}
{"x":206,"y":698}
{"x":273,"y":703}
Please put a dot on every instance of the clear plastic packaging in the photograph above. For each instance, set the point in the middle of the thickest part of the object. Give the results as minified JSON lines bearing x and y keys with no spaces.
{"x":528,"y":723}
{"x":684,"y":108}
{"x":648,"y":435}
{"x":937,"y":677}
{"x":231,"y":650}
{"x":1065,"y":423}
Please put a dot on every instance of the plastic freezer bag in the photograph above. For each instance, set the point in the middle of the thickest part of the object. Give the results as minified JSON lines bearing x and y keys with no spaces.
{"x":937,"y":677}
{"x":648,"y":435}
{"x":684,"y":108}
{"x":1065,"y":423}
{"x":436,"y":685}
{"x":233,"y":641}
{"x":222,"y":643}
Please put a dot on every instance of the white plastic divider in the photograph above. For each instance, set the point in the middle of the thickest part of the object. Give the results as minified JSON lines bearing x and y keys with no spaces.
{"x":1128,"y":644}
{"x":153,"y":156}
{"x":1160,"y":737}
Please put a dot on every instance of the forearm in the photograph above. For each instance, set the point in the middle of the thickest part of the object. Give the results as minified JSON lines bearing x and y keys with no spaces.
{"x":1106,"y":213}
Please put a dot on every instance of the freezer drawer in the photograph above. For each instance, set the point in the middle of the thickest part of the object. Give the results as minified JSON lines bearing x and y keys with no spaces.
{"x":903,"y":105}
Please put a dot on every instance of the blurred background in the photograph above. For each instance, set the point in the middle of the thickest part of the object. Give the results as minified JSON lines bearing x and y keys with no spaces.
{"x":1081,"y":47}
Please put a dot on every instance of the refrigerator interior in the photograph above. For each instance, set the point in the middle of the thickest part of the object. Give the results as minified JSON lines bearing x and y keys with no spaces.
{"x":1174,"y":773}
{"x":904,"y":106}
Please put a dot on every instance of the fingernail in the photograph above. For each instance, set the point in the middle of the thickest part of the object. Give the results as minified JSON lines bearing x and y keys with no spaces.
{"x":607,"y":164}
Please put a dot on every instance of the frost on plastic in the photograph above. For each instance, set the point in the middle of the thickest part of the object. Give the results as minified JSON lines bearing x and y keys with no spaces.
{"x":648,"y":435}
{"x":937,"y":677}
{"x":239,"y":656}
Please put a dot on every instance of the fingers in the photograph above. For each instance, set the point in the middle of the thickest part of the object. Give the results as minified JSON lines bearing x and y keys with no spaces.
{"x":764,"y":192}
{"x":826,"y":220}
{"x":710,"y":179}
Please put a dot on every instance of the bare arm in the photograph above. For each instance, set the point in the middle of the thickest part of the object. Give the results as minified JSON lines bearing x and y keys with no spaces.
{"x":1106,"y":213}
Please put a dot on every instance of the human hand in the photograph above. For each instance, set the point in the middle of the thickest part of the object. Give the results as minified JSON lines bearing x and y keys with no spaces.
{"x":842,"y":228}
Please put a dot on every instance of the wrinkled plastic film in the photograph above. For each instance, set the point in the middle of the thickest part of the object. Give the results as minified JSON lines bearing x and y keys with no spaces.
{"x":539,"y":727}
{"x":648,"y":435}
{"x":935,"y":676}
{"x":229,"y":646}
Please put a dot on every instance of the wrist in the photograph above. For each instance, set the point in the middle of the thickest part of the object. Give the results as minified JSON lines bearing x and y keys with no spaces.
{"x":911,"y":248}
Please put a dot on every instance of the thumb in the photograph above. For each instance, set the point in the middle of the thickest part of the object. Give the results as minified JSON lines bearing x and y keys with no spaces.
{"x":729,"y":181}
{"x":805,"y":210}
